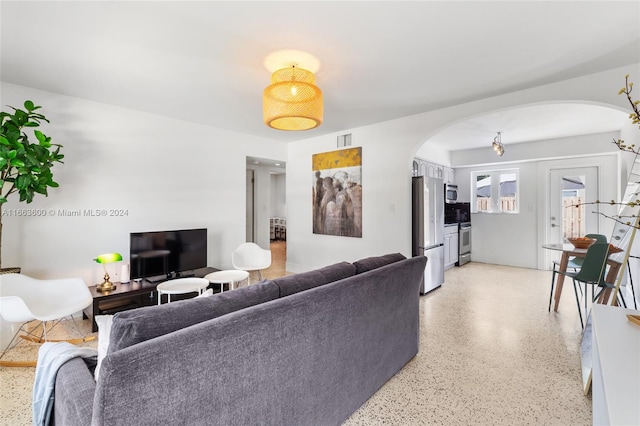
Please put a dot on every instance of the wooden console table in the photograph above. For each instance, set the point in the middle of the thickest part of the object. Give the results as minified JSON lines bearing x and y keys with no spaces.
{"x":131,"y":295}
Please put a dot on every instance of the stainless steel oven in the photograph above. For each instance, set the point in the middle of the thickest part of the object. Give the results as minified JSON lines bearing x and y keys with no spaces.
{"x":464,"y":243}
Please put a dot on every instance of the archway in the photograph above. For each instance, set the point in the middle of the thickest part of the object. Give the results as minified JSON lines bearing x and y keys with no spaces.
{"x":537,"y":132}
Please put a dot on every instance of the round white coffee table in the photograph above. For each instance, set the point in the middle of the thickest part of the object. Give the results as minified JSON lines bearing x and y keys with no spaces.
{"x":230,"y":276}
{"x":181,"y":286}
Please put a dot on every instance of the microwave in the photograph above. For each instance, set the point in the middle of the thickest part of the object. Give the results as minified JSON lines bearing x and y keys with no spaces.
{"x":450,"y":193}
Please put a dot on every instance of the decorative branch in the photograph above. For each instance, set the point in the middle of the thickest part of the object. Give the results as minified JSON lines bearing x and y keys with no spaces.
{"x":616,"y":218}
{"x":634,"y":116}
{"x":634,"y":197}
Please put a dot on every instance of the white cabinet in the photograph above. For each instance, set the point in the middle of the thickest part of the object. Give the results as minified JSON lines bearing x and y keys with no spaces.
{"x":449,"y":175}
{"x":422,"y":167}
{"x":450,"y":246}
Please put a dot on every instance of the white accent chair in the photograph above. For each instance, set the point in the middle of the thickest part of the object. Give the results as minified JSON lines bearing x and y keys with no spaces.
{"x":251,"y":257}
{"x":24,"y":299}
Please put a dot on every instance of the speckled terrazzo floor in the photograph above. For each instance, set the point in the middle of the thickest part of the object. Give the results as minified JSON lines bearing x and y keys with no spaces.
{"x":490,"y":354}
{"x":16,"y":384}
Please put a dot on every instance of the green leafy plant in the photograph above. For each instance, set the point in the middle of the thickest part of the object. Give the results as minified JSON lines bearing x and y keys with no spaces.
{"x":25,"y":165}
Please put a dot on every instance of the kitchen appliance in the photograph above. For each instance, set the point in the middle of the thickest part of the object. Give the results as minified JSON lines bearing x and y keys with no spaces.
{"x":457,"y":213}
{"x":450,"y":193}
{"x":428,"y":229}
{"x":460,"y":214}
{"x":464,"y":244}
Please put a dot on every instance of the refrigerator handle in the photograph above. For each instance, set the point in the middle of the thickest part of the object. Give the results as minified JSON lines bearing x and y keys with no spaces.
{"x":432,"y":246}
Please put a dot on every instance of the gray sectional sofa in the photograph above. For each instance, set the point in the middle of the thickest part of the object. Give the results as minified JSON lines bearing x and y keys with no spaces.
{"x":306,"y":349}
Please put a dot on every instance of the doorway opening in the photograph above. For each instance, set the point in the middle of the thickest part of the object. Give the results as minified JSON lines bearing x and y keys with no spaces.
{"x":250,"y":217}
{"x":266,"y":208}
{"x":569,"y":189}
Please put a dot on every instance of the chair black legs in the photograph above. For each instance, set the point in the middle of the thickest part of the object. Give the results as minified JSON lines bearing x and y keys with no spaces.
{"x":575,"y":290}
{"x":553,"y":281}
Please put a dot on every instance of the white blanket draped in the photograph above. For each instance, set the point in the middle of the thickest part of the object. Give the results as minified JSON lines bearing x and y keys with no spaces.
{"x":51,"y":357}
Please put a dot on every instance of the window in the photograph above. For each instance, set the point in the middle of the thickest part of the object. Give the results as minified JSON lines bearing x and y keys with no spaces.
{"x":573,"y":207}
{"x":495,"y":191}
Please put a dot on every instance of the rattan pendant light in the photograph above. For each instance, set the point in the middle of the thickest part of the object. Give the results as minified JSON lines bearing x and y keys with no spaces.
{"x":292,"y":101}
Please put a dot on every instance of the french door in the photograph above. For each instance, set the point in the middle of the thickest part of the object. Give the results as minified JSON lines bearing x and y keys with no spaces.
{"x":567,"y":215}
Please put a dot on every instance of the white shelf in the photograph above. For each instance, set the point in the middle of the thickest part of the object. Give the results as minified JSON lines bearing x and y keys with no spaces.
{"x":616,"y":366}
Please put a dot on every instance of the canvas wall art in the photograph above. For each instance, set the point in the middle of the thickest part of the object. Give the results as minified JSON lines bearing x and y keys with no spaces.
{"x":337,"y":193}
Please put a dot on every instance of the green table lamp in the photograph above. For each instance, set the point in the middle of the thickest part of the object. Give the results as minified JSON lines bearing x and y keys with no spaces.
{"x":104,"y":259}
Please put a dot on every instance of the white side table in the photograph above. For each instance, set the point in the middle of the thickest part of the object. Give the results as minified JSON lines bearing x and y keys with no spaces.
{"x":231,"y":276}
{"x":181,"y":286}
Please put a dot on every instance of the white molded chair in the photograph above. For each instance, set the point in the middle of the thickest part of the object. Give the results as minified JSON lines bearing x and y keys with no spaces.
{"x":24,"y":299}
{"x":251,"y":257}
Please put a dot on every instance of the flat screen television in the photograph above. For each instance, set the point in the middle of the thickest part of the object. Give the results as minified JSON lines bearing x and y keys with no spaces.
{"x":158,"y":255}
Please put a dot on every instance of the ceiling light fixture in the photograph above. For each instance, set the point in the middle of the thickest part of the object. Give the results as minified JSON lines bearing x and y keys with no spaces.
{"x":292,"y":101}
{"x":497,"y":145}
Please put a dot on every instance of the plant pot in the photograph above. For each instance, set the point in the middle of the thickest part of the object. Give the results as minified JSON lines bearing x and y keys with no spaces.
{"x":10,"y":270}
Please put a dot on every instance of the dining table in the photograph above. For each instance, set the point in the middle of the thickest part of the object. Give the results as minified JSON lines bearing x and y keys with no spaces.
{"x":569,"y":250}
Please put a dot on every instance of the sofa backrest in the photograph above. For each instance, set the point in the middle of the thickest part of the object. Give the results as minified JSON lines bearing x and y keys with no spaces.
{"x":137,"y":325}
{"x":296,"y":283}
{"x":373,"y":262}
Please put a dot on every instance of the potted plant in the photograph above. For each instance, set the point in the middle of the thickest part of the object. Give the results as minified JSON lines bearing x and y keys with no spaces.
{"x":25,"y":165}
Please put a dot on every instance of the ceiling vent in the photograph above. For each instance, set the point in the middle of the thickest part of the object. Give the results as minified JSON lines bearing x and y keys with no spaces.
{"x":344,"y":140}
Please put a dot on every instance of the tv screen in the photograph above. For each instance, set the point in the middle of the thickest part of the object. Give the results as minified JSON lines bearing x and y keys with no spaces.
{"x":160,"y":254}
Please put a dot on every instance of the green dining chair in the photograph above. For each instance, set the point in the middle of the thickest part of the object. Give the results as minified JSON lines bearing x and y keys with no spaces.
{"x":591,"y":272}
{"x":574,"y":264}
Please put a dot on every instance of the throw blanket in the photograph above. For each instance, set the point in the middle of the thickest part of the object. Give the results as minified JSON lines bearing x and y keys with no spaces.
{"x":51,"y":357}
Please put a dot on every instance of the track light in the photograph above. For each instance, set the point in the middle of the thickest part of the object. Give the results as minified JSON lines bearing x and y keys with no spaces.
{"x":497,"y":145}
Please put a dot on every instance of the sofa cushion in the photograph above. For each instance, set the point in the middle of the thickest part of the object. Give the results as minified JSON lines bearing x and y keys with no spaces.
{"x":304,"y":281}
{"x":137,"y":325}
{"x":369,"y":263}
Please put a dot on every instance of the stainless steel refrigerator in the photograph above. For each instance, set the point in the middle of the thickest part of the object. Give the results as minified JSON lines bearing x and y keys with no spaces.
{"x":428,"y":229}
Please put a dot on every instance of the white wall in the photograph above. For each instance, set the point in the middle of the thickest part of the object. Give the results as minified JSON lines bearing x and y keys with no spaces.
{"x":166,"y":173}
{"x":516,"y":239}
{"x":386,"y":218}
{"x":278,"y":195}
{"x":500,"y":238}
{"x":387,"y":151}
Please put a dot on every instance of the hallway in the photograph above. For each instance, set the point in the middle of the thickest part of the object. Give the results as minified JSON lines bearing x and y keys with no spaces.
{"x":278,"y":260}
